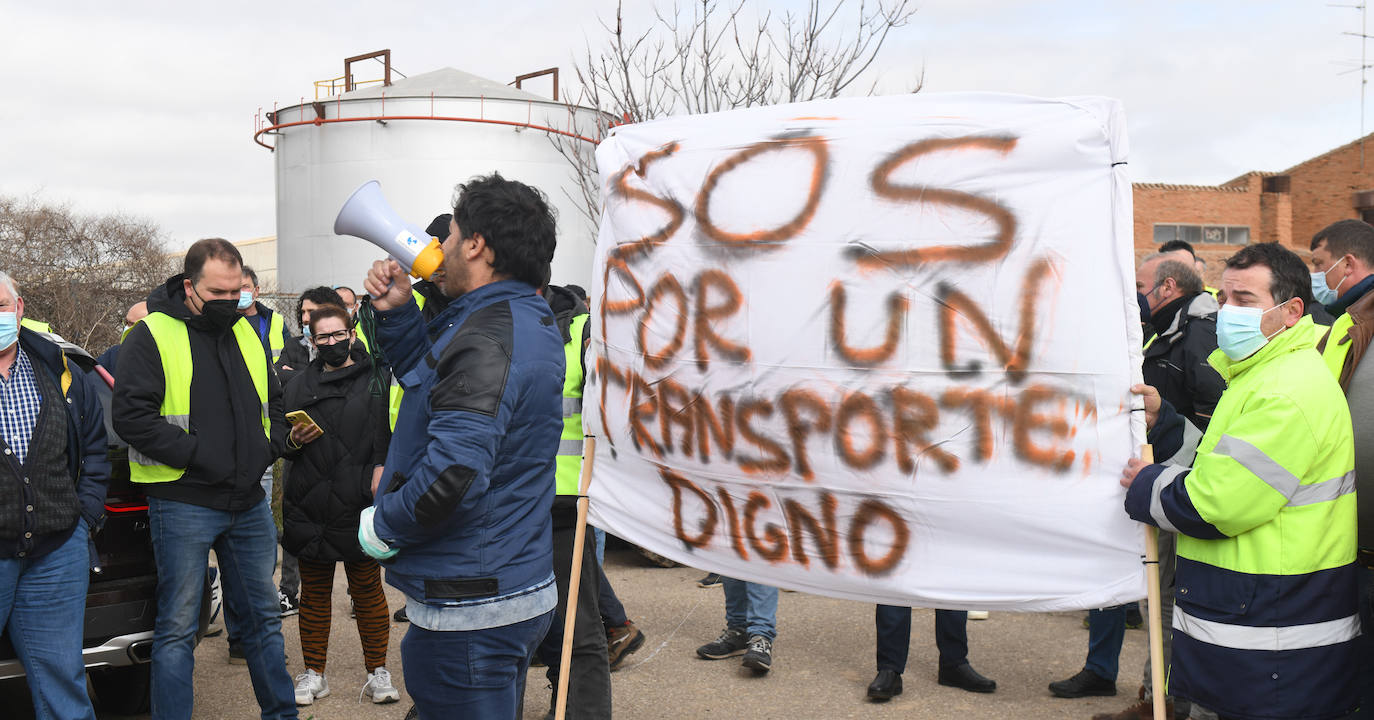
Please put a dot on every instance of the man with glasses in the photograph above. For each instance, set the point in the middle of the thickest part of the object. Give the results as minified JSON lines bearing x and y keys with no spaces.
{"x":53,"y":473}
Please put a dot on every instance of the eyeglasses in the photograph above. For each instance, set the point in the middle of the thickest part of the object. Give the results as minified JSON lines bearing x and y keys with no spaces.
{"x":331,"y":338}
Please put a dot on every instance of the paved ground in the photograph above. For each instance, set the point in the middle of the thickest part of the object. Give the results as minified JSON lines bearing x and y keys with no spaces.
{"x":823,"y":661}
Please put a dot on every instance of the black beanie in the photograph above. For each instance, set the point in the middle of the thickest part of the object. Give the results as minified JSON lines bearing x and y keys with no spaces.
{"x":439,"y":227}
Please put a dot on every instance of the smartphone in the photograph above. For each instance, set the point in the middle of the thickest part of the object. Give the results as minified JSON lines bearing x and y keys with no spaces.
{"x":299,"y":417}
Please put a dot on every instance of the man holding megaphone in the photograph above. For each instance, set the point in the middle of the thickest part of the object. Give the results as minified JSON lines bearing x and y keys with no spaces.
{"x":462,"y":517}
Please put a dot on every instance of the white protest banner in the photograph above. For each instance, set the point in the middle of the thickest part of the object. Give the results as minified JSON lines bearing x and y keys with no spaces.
{"x":873,"y":348}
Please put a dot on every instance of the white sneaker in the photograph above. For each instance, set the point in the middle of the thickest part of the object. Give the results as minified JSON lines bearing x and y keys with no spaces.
{"x":309,"y":686}
{"x":379,"y":687}
{"x":216,"y":625}
{"x":289,"y":605}
{"x":978,"y":614}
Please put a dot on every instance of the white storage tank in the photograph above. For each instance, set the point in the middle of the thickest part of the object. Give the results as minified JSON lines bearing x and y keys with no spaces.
{"x":418,"y":137}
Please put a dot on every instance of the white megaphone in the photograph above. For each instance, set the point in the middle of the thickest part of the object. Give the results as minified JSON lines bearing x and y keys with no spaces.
{"x":367,"y":215}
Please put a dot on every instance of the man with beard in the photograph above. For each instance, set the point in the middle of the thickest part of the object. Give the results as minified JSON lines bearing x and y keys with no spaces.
{"x":463,"y":514}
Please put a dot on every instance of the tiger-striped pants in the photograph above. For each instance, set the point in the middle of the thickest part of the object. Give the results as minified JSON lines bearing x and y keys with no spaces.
{"x":369,"y":602}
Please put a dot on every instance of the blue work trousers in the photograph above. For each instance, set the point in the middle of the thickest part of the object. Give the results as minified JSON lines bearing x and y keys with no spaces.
{"x":893,"y":625}
{"x":1366,"y":643}
{"x":1106,"y":633}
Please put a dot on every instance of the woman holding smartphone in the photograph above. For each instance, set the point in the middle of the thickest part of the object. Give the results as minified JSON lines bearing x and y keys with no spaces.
{"x":339,"y":437}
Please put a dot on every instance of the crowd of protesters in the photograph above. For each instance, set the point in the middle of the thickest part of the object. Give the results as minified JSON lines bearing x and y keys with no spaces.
{"x":434,"y":430}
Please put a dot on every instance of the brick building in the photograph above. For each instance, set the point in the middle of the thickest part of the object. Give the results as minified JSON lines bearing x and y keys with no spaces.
{"x":1287,"y":207}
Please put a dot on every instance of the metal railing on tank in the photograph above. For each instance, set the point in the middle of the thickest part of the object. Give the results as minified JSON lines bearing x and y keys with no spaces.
{"x":320,"y":119}
{"x":336,"y":86}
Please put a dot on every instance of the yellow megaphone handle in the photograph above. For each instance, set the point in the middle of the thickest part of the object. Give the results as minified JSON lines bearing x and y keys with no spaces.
{"x":428,"y":261}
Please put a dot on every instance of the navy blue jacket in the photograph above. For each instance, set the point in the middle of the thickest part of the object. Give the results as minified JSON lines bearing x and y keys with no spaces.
{"x":469,"y":480}
{"x":87,"y":455}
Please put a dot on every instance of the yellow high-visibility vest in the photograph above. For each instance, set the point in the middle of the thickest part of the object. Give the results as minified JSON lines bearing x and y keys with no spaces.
{"x":1335,"y":352}
{"x":174,"y":348}
{"x":276,"y":336}
{"x":396,"y":392}
{"x":570,"y":444}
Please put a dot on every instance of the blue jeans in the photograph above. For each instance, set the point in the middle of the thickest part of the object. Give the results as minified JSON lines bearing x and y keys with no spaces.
{"x":751,"y":606}
{"x":42,"y":611}
{"x":1106,"y":632}
{"x":246,"y":544}
{"x":612,"y":610}
{"x":471,"y":673}
{"x":893,"y":625}
{"x":290,"y":584}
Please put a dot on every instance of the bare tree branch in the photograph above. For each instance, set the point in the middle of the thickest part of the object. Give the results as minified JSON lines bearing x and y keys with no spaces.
{"x":77,"y":272}
{"x":708,"y":57}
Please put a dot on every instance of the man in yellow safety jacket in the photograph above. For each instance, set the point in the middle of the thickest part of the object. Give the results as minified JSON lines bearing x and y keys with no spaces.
{"x":197,"y":402}
{"x":589,"y":681}
{"x":1265,"y":623}
{"x":267,"y":324}
{"x":1343,"y":265}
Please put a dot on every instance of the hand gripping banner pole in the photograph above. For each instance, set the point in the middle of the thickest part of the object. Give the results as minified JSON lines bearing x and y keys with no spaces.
{"x":1152,"y":599}
{"x":575,"y":578}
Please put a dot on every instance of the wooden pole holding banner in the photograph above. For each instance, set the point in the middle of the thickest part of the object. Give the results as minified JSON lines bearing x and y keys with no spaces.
{"x":575,"y":578}
{"x":1152,"y":594}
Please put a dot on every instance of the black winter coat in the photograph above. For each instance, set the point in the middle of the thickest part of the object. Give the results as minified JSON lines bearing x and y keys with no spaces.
{"x":330,"y":481}
{"x":1175,"y":363}
{"x":295,"y":356}
{"x":225,"y":452}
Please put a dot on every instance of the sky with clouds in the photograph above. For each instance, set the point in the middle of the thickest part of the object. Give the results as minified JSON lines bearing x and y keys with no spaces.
{"x":147,"y":108}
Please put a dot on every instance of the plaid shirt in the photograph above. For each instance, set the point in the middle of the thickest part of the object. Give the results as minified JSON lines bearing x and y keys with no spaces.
{"x":19,"y":405}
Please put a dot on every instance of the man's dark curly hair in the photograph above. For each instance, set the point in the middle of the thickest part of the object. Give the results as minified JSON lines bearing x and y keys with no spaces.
{"x":516,"y":222}
{"x":1289,"y":275}
{"x":320,"y":296}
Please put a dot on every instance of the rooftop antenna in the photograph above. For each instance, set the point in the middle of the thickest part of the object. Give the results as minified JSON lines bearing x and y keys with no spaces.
{"x":1363,"y":67}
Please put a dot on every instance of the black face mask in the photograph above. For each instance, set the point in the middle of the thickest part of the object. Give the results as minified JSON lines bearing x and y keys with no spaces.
{"x":333,"y":355}
{"x":220,"y":314}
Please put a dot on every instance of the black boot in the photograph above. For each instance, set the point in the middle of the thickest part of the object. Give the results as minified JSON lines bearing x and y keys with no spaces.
{"x":1084,"y":684}
{"x":885,"y":686}
{"x":966,"y":678}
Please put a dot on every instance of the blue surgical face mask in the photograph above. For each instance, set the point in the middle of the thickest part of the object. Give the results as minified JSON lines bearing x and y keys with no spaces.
{"x":1238,"y":331}
{"x":245,"y":299}
{"x":9,"y":329}
{"x":1324,"y":294}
